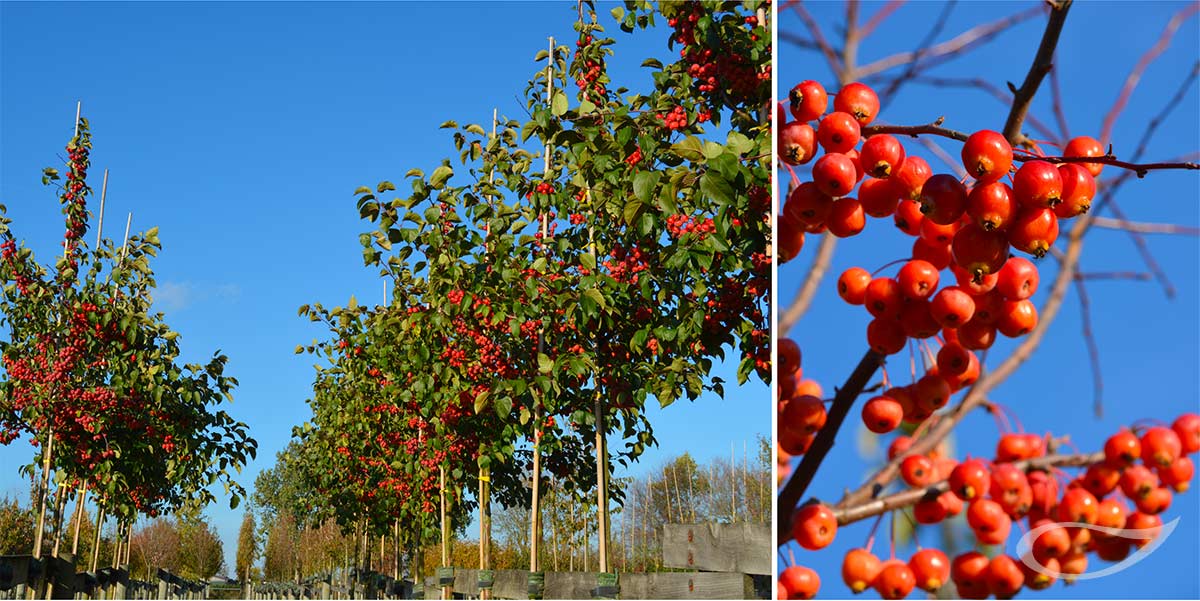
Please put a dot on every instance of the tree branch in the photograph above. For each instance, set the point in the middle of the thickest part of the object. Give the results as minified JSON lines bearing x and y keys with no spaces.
{"x":796,"y":486}
{"x":1135,"y":75}
{"x":1042,"y":61}
{"x":813,"y":28}
{"x":907,"y":498}
{"x":1145,"y":228}
{"x":879,"y":17}
{"x":948,"y":49}
{"x":812,"y":281}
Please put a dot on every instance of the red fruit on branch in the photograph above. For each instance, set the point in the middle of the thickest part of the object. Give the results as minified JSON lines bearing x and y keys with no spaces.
{"x":1037,"y":185}
{"x":917,"y":279}
{"x":852,"y":285}
{"x":1018,"y":279}
{"x":859,"y":569}
{"x":1078,"y":190}
{"x":1187,"y":427}
{"x":1160,"y":447}
{"x":1085,"y":146}
{"x":895,"y":580}
{"x":943,"y":199}
{"x":814,"y":526}
{"x":797,"y":143}
{"x":858,"y":100}
{"x":1122,"y":449}
{"x":991,"y":206}
{"x":838,"y":132}
{"x":834,"y":174}
{"x":917,"y":470}
{"x":952,"y":307}
{"x":808,"y":101}
{"x":987,"y":156}
{"x":881,"y":155}
{"x":800,"y":582}
{"x":846,"y":218}
{"x":969,"y":573}
{"x":979,"y":252}
{"x":882,"y":414}
{"x":1034,"y":231}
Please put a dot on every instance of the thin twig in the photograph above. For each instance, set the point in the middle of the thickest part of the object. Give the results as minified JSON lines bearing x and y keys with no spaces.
{"x":878,"y":17}
{"x":793,"y":38}
{"x":1023,"y":97}
{"x":1145,"y":228}
{"x":955,"y":165}
{"x":1135,"y":75}
{"x":812,"y":281}
{"x":1117,"y":275}
{"x":907,"y":498}
{"x":1139,"y":241}
{"x":921,"y":50}
{"x":951,"y":48}
{"x":1004,"y":96}
{"x":1064,"y":133}
{"x":813,"y":28}
{"x":1089,"y":338}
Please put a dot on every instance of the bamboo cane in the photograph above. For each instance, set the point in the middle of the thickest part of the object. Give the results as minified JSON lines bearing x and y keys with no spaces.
{"x":37,"y":539}
{"x":96,"y":541}
{"x":446,"y":590}
{"x":485,"y":474}
{"x":103,"y":194}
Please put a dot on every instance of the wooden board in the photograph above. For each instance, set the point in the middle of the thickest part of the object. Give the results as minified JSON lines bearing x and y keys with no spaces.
{"x":735,"y":548}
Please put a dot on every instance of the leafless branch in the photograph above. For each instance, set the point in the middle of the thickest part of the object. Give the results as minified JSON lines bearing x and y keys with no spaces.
{"x":1003,"y":96}
{"x":1139,"y":241}
{"x":1117,"y":275}
{"x":951,"y":48}
{"x":812,"y":281}
{"x":907,"y":498}
{"x":796,"y":486}
{"x":1042,"y":61}
{"x":1135,"y":75}
{"x":890,"y":91}
{"x":1145,"y":228}
{"x":819,"y":38}
{"x":1089,"y":338}
{"x":1064,"y":133}
{"x":879,"y":16}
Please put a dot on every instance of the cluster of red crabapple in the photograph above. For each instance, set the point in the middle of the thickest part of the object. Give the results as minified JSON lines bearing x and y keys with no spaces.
{"x":968,"y":229}
{"x":996,"y":494}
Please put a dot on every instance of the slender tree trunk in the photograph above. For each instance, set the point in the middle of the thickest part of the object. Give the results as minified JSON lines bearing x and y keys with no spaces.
{"x":78,"y":519}
{"x":45,"y":490}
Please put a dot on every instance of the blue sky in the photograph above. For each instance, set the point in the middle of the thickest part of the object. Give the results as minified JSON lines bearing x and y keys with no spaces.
{"x":241,"y":131}
{"x":1148,"y":345}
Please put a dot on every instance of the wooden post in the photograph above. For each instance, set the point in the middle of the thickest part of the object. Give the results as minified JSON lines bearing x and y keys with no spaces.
{"x":447,"y":591}
{"x":485,"y":474}
{"x":96,"y":542}
{"x":37,"y":535}
{"x":59,"y":502}
{"x":103,"y":194}
{"x":78,"y":519}
{"x":78,"y":109}
{"x":128,"y":222}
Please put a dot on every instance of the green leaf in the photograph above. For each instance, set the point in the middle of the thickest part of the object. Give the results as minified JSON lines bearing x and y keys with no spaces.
{"x":717,"y":188}
{"x":595,"y":296}
{"x":544,"y":363}
{"x":588,"y":261}
{"x":713,"y":150}
{"x":653,"y":63}
{"x":481,"y":401}
{"x":503,"y":406}
{"x":362,"y":190}
{"x":475,"y":129}
{"x":439,"y":177}
{"x":618,"y":13}
{"x":632,"y":209}
{"x":689,"y":148}
{"x":541,"y":55}
{"x":644,"y":184}
{"x":384,"y":186}
{"x":448,"y":125}
{"x":540,"y":265}
{"x":558,"y":104}
{"x":411,"y":173}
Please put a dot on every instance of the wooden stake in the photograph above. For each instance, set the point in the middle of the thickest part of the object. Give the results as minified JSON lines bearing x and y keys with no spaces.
{"x":485,"y":474}
{"x":103,"y":194}
{"x":96,"y":541}
{"x":37,"y":538}
{"x":128,"y":222}
{"x":446,"y":590}
{"x":78,"y":109}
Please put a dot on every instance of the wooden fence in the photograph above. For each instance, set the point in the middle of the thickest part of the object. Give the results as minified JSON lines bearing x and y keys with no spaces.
{"x":24,"y":577}
{"x":708,"y":561}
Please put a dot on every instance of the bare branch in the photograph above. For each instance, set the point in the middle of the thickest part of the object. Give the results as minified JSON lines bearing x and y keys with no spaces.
{"x":849,"y":515}
{"x":1064,"y":133}
{"x":815,"y":30}
{"x":1135,"y":75}
{"x":1145,"y":228}
{"x":1042,"y":61}
{"x":803,"y":42}
{"x":879,"y":17}
{"x":954,"y":164}
{"x":1117,"y":275}
{"x":1143,"y":249}
{"x":796,"y":486}
{"x":934,"y":129}
{"x":1003,"y":96}
{"x":1089,"y":338}
{"x":949,"y":49}
{"x":812,"y":282}
{"x":921,"y":50}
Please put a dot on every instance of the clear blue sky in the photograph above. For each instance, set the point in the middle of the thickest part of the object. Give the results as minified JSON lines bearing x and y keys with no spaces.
{"x":1148,"y":345}
{"x":241,"y":130}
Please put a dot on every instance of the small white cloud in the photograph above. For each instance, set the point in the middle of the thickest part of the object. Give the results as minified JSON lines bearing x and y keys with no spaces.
{"x":176,"y":296}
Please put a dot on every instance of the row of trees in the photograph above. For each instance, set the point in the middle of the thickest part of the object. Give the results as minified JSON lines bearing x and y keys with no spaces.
{"x":728,"y":490}
{"x":544,"y":286}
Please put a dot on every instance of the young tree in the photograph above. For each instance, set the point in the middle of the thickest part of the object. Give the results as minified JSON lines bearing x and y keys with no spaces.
{"x":247,"y":550}
{"x":987,"y":263}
